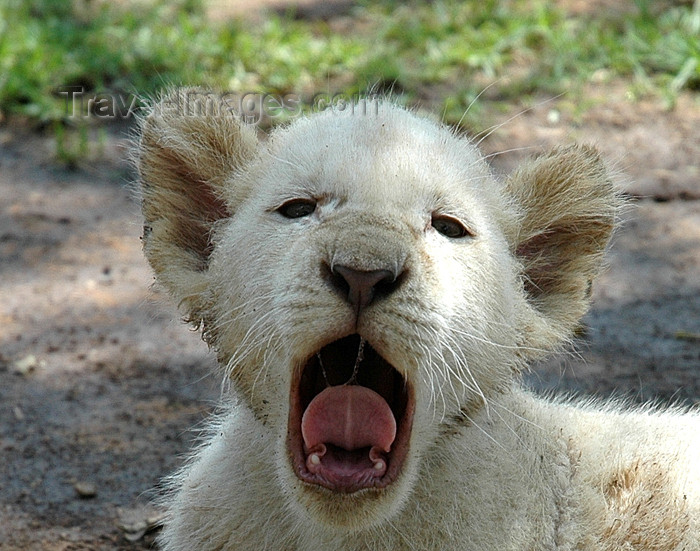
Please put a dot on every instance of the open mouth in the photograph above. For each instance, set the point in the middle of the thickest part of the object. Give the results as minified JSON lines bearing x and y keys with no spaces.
{"x":350,"y":418}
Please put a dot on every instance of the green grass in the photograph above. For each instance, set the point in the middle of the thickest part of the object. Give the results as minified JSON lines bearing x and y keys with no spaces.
{"x":422,"y":51}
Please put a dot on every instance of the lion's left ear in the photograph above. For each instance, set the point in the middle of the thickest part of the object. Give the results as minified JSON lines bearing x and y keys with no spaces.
{"x":568,"y":205}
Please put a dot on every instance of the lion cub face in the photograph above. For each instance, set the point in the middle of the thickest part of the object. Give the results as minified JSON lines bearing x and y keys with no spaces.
{"x":359,"y":292}
{"x":366,"y":282}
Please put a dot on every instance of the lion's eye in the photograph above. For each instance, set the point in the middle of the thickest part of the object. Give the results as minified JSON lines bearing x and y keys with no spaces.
{"x":449,"y":227}
{"x":297,"y":208}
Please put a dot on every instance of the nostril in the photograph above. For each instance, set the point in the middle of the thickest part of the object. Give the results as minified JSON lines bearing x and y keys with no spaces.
{"x":360,"y":287}
{"x":337,"y":281}
{"x":387,"y":285}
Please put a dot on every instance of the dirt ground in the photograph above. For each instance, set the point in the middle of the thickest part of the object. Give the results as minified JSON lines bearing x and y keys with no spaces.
{"x":100,"y":383}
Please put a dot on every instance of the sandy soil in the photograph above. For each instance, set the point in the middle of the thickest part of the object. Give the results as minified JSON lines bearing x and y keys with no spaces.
{"x":100,"y":383}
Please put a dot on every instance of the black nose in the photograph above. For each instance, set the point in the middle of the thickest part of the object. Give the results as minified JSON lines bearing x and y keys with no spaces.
{"x":361,"y":287}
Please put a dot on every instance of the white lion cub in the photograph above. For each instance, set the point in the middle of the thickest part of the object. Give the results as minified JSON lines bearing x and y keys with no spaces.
{"x":373,"y":293}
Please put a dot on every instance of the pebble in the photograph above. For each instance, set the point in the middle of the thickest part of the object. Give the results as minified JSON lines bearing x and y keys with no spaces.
{"x":26,"y":365}
{"x":85,"y":490}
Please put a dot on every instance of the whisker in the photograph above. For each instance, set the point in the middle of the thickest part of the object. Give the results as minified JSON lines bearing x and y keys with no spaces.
{"x":471,"y":104}
{"x":481,"y":136}
{"x":511,"y":150}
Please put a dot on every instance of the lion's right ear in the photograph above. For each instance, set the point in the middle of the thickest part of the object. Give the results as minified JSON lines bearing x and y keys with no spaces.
{"x":189,"y":150}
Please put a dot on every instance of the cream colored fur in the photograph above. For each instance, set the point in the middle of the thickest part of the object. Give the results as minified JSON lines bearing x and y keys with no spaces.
{"x":490,"y":467}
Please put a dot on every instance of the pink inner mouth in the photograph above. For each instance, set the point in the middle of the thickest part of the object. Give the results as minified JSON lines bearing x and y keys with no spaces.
{"x":350,"y":418}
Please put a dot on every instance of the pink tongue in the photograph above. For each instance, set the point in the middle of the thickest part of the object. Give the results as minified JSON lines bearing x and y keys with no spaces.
{"x":350,"y":417}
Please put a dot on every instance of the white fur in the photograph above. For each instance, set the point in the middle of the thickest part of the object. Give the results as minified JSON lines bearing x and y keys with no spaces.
{"x":491,"y":467}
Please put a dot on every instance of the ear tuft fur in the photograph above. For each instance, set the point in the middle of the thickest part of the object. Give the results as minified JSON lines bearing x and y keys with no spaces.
{"x":568,"y":206}
{"x":190,"y":148}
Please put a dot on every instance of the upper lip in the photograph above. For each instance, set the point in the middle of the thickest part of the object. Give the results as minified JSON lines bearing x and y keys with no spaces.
{"x":374,"y":372}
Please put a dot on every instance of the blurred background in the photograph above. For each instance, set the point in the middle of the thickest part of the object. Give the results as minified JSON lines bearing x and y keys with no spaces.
{"x":100,"y":382}
{"x":438,"y":54}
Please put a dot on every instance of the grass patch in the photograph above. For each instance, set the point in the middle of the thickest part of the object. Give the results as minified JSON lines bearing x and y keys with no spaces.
{"x":452,"y":50}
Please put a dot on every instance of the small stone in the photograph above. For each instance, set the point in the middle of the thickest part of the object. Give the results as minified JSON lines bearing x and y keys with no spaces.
{"x":85,"y":490}
{"x":553,"y":117}
{"x":26,"y":365}
{"x":137,"y":522}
